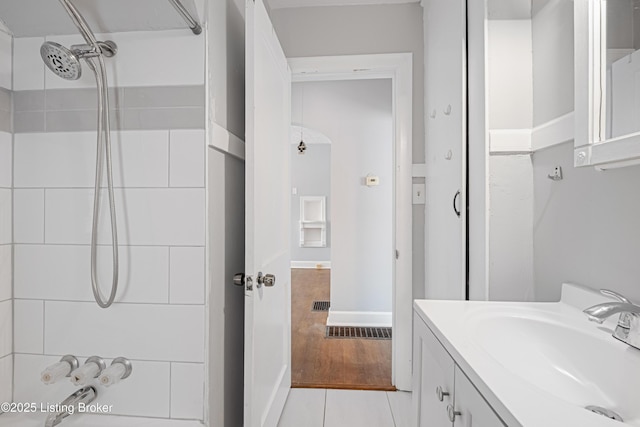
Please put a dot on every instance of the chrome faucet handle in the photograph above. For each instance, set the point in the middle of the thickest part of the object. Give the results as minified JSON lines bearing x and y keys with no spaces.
{"x":615,"y":295}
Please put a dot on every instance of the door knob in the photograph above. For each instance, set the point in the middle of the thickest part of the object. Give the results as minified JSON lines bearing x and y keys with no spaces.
{"x":238,"y":279}
{"x":452,"y":413}
{"x":440,"y":394}
{"x":268,"y":280}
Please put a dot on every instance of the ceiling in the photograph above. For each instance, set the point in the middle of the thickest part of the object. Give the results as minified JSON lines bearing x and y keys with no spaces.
{"x":279,"y":4}
{"x":103,"y":16}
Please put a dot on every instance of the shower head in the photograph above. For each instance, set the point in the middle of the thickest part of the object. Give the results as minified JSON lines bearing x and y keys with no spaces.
{"x":61,"y":60}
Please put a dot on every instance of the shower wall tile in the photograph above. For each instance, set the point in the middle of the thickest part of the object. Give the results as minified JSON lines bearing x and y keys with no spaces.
{"x":164,"y":118}
{"x":145,"y":393}
{"x":140,"y":331}
{"x":29,"y":100}
{"x":165,"y":96}
{"x":187,"y":159}
{"x":6,"y":263}
{"x":6,"y":377}
{"x":187,"y":275}
{"x":64,"y":273}
{"x":28,"y":216}
{"x":170,"y":217}
{"x":5,"y":217}
{"x":6,"y":336}
{"x":6,"y":63}
{"x":80,"y":99}
{"x":28,"y":68}
{"x":78,"y":121}
{"x":5,"y":99}
{"x":28,"y":121}
{"x":187,"y":390}
{"x":28,"y":326}
{"x":144,"y":58}
{"x":6,"y":163}
{"x":67,"y":159}
{"x":6,"y":124}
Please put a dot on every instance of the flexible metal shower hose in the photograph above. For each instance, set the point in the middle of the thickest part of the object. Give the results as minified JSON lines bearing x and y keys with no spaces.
{"x":103,"y":147}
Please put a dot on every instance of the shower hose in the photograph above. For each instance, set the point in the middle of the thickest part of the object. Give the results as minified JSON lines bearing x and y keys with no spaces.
{"x":103,"y":147}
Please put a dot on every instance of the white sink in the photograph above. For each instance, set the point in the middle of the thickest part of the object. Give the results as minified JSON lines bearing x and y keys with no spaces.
{"x":562,"y":354}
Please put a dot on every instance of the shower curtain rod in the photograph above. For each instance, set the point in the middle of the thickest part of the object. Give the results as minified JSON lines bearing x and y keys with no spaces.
{"x":193,"y":24}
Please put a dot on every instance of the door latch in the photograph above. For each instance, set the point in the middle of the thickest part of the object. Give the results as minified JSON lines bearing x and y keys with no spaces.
{"x":240,"y":279}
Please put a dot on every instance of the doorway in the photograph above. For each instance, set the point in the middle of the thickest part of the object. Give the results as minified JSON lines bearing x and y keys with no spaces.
{"x":342,"y":222}
{"x":396,"y":69}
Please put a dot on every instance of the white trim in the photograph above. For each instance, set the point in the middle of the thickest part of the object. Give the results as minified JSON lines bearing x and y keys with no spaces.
{"x":383,"y":319}
{"x":510,"y":141}
{"x":553,"y":132}
{"x":419,"y":170}
{"x":226,"y":142}
{"x":398,"y":67}
{"x":311,"y":264}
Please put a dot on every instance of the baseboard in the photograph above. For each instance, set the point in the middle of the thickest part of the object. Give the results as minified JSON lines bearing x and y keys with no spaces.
{"x":360,"y":318}
{"x":311,"y":264}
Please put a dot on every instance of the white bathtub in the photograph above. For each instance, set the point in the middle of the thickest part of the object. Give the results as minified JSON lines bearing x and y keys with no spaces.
{"x":88,"y":420}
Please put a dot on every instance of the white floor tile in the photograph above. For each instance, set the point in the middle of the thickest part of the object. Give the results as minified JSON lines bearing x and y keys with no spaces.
{"x":304,"y":408}
{"x":355,"y":408}
{"x":400,"y":402}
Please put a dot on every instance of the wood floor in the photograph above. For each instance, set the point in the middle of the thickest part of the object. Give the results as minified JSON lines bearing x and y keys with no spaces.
{"x":318,"y":362}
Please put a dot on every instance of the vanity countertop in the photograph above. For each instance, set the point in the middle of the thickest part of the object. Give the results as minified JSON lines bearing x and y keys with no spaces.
{"x":540,"y":364}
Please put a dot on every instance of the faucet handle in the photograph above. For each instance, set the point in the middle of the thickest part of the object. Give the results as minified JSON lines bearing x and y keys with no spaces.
{"x":615,"y":295}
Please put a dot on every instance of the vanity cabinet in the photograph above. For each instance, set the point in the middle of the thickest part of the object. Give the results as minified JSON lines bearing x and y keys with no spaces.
{"x":442,"y":393}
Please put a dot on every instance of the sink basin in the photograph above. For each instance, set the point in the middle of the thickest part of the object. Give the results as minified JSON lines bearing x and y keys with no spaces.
{"x":565,"y":356}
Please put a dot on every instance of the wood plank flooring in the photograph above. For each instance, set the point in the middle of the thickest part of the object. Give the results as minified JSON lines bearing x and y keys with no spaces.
{"x":318,"y":362}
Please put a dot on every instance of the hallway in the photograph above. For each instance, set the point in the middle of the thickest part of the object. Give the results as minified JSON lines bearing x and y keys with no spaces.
{"x":319,"y":362}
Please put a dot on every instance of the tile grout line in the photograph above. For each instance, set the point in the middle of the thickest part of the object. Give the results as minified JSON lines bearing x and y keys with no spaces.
{"x":131,"y":359}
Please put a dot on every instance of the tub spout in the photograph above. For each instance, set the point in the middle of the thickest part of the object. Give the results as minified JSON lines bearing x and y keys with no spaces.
{"x":69,"y":406}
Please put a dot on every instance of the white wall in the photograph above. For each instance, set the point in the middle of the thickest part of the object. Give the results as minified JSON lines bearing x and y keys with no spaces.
{"x":348,"y":30}
{"x":6,"y":239}
{"x":510,"y":92}
{"x":158,"y":320}
{"x":356,"y":116}
{"x":585,"y":226}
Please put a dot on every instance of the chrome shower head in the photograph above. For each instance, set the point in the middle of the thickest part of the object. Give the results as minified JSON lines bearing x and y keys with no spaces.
{"x":61,"y":60}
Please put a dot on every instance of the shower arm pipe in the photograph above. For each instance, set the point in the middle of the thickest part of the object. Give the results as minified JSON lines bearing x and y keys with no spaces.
{"x":81,"y":24}
{"x":193,"y":24}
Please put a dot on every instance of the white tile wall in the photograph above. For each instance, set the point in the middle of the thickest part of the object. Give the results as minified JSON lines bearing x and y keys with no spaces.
{"x":67,"y":159}
{"x":187,"y":278}
{"x":144,"y":217}
{"x":6,"y":373}
{"x":187,"y":158}
{"x":6,"y":63}
{"x":144,"y":58}
{"x":138,"y":331}
{"x":6,"y":337}
{"x":28,"y":68}
{"x":5,"y":216}
{"x":63,"y":273}
{"x":187,"y":390}
{"x":144,"y":393}
{"x":28,"y":326}
{"x":5,"y":159}
{"x":28,"y":218}
{"x":5,"y":272}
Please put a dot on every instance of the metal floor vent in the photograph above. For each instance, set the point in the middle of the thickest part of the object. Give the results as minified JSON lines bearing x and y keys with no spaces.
{"x":320,"y":306}
{"x":358,"y":332}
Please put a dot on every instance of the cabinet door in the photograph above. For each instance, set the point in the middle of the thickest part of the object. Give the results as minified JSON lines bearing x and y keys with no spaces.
{"x":474,"y":410}
{"x":433,"y":368}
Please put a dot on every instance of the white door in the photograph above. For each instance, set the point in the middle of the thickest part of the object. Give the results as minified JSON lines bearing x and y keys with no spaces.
{"x":445,"y":104}
{"x":267,"y":304}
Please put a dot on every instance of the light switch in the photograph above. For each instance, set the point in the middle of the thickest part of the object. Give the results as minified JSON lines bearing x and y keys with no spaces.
{"x":419,"y":197}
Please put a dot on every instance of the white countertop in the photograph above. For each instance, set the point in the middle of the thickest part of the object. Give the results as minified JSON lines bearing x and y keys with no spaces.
{"x":516,"y":400}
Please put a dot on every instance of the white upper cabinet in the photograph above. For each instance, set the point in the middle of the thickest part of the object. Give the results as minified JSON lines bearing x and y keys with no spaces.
{"x":607,"y":83}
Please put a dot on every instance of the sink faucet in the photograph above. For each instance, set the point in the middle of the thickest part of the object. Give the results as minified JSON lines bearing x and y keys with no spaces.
{"x":70,"y":405}
{"x":628,"y":328}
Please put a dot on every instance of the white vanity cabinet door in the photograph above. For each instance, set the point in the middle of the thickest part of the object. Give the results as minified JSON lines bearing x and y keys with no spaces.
{"x":474,"y":410}
{"x":432,"y":368}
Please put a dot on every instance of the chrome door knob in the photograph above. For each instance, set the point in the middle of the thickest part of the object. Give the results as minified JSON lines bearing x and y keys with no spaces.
{"x":440,"y":394}
{"x":452,"y":413}
{"x":238,"y":279}
{"x":268,"y":280}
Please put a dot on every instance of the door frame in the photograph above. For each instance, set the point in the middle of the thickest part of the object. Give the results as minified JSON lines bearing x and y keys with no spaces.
{"x":398,"y":68}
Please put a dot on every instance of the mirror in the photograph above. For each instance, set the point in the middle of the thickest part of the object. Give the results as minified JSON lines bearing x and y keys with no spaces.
{"x":607,"y":82}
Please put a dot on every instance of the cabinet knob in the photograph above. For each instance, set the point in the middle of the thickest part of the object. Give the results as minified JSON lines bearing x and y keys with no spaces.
{"x":440,"y":394}
{"x":452,"y":413}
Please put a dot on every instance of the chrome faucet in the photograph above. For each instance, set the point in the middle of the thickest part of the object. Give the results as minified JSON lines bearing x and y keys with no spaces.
{"x":70,"y":405}
{"x":628,"y":328}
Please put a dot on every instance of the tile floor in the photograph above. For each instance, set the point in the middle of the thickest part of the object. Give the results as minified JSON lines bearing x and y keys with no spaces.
{"x":308,"y":407}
